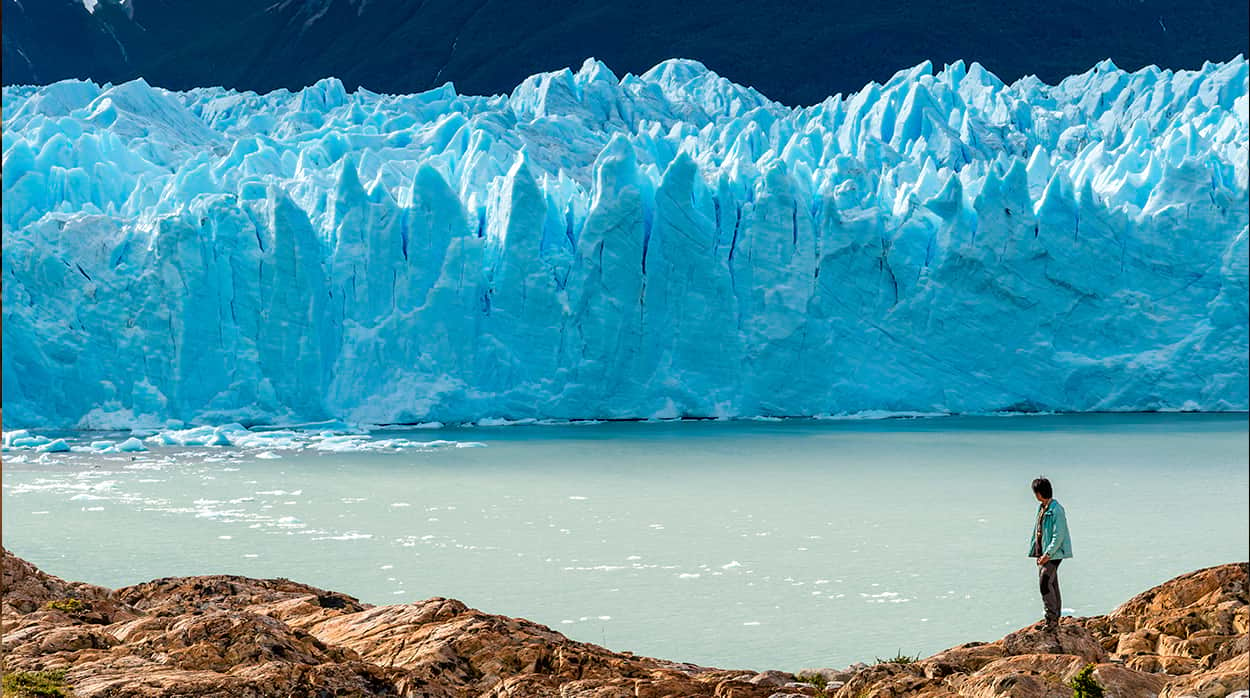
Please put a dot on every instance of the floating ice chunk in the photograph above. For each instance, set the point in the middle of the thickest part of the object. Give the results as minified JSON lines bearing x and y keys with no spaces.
{"x":24,"y":439}
{"x":503,"y":422}
{"x":131,"y":445}
{"x":11,"y":438}
{"x":332,"y":426}
{"x":53,"y":446}
{"x":350,"y":535}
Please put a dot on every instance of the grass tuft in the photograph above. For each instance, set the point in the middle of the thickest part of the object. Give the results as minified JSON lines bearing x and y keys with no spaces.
{"x":899,"y":658}
{"x":36,"y":684}
{"x":817,"y":680}
{"x":69,"y":605}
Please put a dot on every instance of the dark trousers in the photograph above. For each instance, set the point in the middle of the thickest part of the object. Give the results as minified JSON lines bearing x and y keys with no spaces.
{"x":1048,"y":579}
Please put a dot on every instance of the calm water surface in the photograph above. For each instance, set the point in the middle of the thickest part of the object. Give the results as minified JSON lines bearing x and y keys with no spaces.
{"x":750,"y":545}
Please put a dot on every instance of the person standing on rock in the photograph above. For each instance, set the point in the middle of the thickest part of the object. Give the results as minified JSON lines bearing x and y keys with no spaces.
{"x":1050,"y":544}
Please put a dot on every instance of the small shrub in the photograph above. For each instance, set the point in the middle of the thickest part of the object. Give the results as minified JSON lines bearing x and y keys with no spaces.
{"x":817,"y":680}
{"x":1084,"y":685}
{"x":36,"y":684}
{"x":899,"y":658}
{"x":69,"y":605}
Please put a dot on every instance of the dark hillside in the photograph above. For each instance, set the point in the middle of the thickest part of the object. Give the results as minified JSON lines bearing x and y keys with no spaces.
{"x":795,"y":51}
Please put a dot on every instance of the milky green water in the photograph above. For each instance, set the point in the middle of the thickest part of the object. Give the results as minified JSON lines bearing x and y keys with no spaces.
{"x":749,"y":545}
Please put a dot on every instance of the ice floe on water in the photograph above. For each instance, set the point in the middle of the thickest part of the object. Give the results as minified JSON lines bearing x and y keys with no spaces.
{"x":258,"y":442}
{"x":94,"y":470}
{"x":880,"y":414}
{"x":40,"y":444}
{"x":350,"y":535}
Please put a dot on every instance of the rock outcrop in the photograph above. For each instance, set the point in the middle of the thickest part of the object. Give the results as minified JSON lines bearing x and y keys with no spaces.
{"x":234,"y":636}
{"x":1184,"y":638}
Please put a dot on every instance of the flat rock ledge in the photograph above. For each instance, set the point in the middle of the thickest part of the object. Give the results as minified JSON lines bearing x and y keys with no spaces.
{"x":261,"y":638}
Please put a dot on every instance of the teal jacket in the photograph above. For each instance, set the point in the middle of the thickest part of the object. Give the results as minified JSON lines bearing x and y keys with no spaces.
{"x":1055,"y":539}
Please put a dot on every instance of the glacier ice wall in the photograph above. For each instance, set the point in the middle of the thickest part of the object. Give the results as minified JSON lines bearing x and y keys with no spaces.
{"x":670,"y":244}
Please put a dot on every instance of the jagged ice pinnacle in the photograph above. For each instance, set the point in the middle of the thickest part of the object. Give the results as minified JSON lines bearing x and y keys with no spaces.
{"x":663,"y":245}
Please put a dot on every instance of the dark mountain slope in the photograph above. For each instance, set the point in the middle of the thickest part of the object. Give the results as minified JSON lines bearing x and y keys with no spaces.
{"x":795,"y":51}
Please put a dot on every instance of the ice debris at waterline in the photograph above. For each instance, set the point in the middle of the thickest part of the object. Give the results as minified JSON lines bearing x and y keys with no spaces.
{"x":670,"y":244}
{"x":334,"y":438}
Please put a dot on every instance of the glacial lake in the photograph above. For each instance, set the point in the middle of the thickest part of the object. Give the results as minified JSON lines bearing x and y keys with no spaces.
{"x":735,"y":544}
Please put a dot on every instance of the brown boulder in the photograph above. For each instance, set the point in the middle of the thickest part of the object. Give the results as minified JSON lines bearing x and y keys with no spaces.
{"x":1122,"y":682}
{"x":1072,"y":638}
{"x":179,"y":595}
{"x":234,"y":636}
{"x":892,"y":679}
{"x":28,"y":589}
{"x":1227,"y":677}
{"x":1188,"y":625}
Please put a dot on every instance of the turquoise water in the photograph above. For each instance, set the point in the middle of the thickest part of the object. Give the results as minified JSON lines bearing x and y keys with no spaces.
{"x":735,"y":544}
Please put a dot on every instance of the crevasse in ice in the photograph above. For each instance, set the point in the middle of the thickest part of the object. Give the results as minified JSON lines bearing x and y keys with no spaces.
{"x":663,"y":245}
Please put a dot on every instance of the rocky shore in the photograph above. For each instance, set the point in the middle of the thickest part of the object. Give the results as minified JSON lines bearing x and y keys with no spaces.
{"x":253,"y":638}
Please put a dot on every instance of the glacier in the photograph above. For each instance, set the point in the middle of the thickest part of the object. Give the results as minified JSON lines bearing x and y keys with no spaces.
{"x":663,"y":245}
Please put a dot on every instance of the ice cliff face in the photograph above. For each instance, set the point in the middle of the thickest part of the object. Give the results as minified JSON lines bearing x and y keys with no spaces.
{"x":660,"y":245}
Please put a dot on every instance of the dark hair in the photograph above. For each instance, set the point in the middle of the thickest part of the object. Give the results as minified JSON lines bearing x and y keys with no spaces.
{"x":1042,"y":486}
